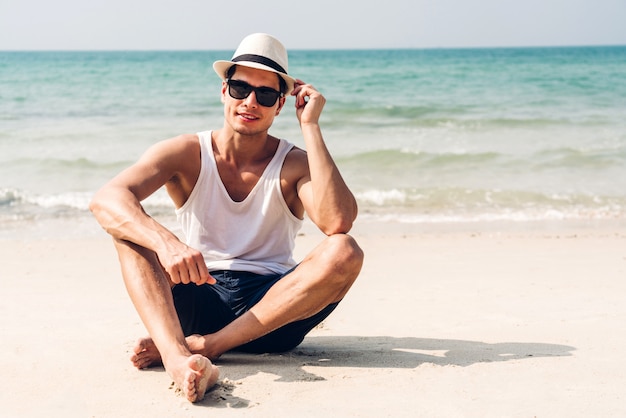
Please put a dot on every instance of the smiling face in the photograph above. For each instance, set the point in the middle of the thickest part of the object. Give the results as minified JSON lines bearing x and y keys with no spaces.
{"x":246,"y":116}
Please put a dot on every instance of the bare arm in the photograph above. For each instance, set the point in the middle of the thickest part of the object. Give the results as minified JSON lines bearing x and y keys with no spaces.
{"x":117,"y":206}
{"x":323,"y":192}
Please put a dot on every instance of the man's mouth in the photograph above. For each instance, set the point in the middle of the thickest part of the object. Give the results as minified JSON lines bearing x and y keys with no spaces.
{"x":248,"y":116}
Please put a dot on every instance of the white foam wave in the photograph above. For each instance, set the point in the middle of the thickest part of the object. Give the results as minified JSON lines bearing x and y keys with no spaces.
{"x":74,"y":200}
{"x":406,"y":206}
{"x":503,"y":216}
{"x":382,"y":197}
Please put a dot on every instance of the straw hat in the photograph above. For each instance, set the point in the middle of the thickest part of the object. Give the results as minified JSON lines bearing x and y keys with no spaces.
{"x":260,"y":51}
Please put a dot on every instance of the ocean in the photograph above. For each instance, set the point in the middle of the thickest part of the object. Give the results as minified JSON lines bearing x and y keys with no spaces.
{"x":423,"y":137}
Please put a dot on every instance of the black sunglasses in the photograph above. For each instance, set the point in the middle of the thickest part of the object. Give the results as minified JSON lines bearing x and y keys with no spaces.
{"x":265,"y":96}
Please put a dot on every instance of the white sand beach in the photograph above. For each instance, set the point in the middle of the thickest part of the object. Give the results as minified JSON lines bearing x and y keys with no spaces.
{"x":444,"y":322}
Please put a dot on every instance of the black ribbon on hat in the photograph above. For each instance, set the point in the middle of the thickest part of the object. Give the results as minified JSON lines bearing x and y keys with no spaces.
{"x":259,"y":59}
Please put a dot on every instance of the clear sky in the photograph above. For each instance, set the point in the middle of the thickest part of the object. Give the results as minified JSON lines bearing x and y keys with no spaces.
{"x":316,"y":24}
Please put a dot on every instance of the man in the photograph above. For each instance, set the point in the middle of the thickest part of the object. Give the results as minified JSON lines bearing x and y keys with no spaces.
{"x":240,"y":195}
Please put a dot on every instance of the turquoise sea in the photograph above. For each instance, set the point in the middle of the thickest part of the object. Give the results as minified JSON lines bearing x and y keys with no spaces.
{"x":422,"y":136}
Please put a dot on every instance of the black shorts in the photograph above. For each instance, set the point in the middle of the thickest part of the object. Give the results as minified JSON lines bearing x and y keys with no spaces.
{"x":208,"y":308}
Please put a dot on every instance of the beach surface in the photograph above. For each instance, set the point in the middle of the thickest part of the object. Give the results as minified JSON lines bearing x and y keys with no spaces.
{"x":472,"y":321}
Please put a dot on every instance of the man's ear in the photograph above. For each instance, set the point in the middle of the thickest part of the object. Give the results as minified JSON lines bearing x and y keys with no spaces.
{"x":224,"y":87}
{"x":281,"y":103}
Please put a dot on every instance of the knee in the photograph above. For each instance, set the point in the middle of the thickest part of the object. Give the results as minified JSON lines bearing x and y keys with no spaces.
{"x":345,"y":254}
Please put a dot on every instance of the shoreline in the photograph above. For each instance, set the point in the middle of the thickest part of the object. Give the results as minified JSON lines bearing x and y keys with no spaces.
{"x":85,"y":227}
{"x":468,"y":322}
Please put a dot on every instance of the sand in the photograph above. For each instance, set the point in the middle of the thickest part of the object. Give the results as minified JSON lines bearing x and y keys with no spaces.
{"x":471,"y":321}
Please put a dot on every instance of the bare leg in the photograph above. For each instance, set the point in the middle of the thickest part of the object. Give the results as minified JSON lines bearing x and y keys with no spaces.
{"x":322,"y":278}
{"x":150,"y":292}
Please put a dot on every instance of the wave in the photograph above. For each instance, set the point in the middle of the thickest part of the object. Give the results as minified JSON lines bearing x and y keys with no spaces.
{"x":20,"y":200}
{"x":81,"y":163}
{"x":460,"y":117}
{"x":67,"y":203}
{"x":67,"y":215}
{"x":420,"y":200}
{"x":384,"y":158}
{"x":579,"y":158}
{"x":565,"y":157}
{"x":454,"y":197}
{"x":456,"y":204}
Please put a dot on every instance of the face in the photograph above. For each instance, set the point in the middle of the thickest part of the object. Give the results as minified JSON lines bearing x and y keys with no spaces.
{"x":247,"y":116}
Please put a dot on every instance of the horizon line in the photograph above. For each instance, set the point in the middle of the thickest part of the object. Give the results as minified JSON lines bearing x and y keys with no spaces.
{"x":323,"y":49}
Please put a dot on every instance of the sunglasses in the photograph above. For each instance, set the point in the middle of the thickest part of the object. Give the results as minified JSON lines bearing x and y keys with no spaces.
{"x":265,"y":96}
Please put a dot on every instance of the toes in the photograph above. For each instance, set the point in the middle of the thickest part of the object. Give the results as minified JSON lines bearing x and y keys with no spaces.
{"x":144,"y":359}
{"x":202,"y":375}
{"x":142,"y":344}
{"x":145,"y":354}
{"x":142,"y":363}
{"x":190,"y":387}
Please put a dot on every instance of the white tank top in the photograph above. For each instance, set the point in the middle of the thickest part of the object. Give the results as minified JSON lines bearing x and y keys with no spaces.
{"x":256,"y":235}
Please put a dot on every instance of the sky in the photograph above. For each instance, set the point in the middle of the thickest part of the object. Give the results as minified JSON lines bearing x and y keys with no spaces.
{"x":317,"y":24}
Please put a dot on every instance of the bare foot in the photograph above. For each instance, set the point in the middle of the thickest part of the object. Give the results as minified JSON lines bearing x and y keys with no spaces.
{"x":202,"y":344}
{"x":195,"y":376}
{"x":145,"y":354}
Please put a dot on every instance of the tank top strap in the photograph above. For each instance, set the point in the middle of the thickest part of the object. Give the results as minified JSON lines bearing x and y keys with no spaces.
{"x":279,"y":158}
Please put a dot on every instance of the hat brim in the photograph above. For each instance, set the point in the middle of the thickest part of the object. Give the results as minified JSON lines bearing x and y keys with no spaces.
{"x":221,"y":67}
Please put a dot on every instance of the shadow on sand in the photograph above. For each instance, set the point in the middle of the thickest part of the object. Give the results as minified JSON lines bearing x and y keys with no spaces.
{"x":366,"y":352}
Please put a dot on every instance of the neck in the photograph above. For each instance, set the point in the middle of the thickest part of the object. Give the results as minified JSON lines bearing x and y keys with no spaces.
{"x":234,"y":146}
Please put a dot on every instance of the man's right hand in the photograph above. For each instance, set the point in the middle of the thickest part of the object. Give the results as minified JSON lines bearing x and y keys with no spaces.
{"x":184,"y":265}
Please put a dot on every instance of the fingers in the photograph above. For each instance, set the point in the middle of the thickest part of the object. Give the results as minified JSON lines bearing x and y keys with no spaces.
{"x":309,"y":103}
{"x":302,"y":92}
{"x":202,"y":274}
{"x":301,"y":86}
{"x":297,"y":86}
{"x":195,"y":272}
{"x":189,"y":268}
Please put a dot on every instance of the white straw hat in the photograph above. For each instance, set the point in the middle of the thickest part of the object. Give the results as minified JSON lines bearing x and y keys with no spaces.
{"x":260,"y":51}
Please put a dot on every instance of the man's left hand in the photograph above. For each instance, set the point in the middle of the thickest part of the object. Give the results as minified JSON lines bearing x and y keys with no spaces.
{"x":309,"y":103}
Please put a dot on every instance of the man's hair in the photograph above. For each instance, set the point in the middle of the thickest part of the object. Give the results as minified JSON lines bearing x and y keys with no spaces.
{"x":281,"y":81}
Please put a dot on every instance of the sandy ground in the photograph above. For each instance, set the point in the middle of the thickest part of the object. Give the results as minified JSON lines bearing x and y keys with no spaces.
{"x":456,"y":322}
